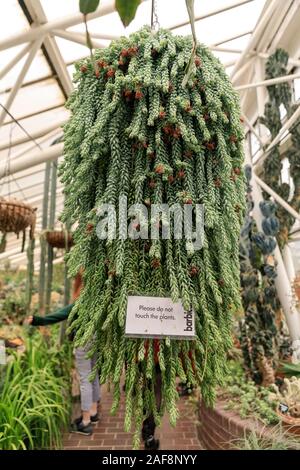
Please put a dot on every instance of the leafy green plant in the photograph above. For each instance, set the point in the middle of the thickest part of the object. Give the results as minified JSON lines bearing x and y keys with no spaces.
{"x":290,"y":369}
{"x":34,"y":401}
{"x":14,"y":307}
{"x":246,"y":398}
{"x":88,"y":6}
{"x":127,"y":10}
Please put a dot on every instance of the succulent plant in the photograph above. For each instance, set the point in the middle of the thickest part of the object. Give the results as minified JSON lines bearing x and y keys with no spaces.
{"x":288,"y":394}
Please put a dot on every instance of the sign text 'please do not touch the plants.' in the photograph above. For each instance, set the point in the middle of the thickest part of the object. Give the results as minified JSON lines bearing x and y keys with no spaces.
{"x":158,"y":317}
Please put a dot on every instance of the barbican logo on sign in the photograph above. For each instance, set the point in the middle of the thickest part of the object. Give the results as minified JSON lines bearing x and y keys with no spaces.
{"x":189,"y":318}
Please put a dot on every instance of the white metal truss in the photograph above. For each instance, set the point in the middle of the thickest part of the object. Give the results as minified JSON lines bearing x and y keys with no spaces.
{"x":41,"y":156}
{"x":76,"y":37}
{"x":39,"y":18}
{"x":106,"y":7}
{"x":22,"y":139}
{"x":31,"y":54}
{"x":230,"y":6}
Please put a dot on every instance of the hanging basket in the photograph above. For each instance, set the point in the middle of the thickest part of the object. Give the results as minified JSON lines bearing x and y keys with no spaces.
{"x":60,"y":239}
{"x":16,"y":216}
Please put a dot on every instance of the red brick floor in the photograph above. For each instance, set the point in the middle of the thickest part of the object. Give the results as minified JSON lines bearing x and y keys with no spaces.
{"x":109,"y":433}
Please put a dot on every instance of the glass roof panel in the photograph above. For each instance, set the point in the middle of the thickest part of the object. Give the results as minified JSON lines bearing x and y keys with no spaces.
{"x":209,"y":30}
{"x":13,"y":20}
{"x":31,"y":125}
{"x":56,"y":8}
{"x":71,"y":51}
{"x":35,"y":98}
{"x":37,"y":70}
{"x":223,"y":25}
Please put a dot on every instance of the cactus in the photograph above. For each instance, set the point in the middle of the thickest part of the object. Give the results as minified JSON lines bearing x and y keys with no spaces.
{"x":288,"y":394}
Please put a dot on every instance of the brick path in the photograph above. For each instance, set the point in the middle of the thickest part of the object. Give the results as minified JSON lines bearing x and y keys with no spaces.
{"x":109,"y":433}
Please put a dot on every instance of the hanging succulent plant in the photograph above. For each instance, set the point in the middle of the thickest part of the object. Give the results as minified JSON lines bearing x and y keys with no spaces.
{"x":280,"y":95}
{"x":262,"y":336}
{"x":136,"y":131}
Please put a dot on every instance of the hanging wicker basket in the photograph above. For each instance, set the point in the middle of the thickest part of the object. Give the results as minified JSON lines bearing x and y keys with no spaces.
{"x":59,"y":239}
{"x":16,"y":216}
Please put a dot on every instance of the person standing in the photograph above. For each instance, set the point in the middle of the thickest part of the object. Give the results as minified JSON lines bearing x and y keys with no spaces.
{"x":89,"y":391}
{"x":149,"y":426}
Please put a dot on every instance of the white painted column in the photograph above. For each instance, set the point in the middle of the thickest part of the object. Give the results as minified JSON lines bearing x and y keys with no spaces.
{"x":288,"y":262}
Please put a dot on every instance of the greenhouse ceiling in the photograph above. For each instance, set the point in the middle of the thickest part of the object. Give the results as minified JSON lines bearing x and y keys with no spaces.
{"x":41,"y":39}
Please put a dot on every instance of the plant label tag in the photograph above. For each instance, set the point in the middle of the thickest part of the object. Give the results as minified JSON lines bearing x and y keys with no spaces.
{"x":158,"y":317}
{"x":2,"y":353}
{"x":283,"y":408}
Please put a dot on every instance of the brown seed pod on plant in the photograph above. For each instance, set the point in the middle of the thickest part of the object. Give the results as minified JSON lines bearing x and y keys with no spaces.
{"x":197,"y":61}
{"x":194,"y":270}
{"x":155,"y":263}
{"x":181,"y":174}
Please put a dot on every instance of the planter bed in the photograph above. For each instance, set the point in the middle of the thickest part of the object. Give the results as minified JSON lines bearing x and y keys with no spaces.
{"x":219,"y":428}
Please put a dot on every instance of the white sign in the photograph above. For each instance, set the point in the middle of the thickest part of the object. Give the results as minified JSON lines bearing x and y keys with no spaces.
{"x":2,"y":352}
{"x":158,"y":317}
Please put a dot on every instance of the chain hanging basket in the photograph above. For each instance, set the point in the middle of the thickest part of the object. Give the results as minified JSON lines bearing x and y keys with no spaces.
{"x":16,"y":216}
{"x":59,"y":239}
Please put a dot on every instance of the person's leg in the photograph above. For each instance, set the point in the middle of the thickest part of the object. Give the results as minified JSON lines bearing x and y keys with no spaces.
{"x":148,"y":430}
{"x":86,"y":391}
{"x":96,"y":394}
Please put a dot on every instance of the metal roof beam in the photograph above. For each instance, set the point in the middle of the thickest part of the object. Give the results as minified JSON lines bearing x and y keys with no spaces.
{"x":279,"y":22}
{"x":76,"y":37}
{"x":276,"y":197}
{"x":53,"y":55}
{"x":272,"y":81}
{"x":212,"y":13}
{"x":106,"y":7}
{"x":253,"y":130}
{"x":15,"y":60}
{"x":25,"y":188}
{"x":31,"y":55}
{"x":36,"y":113}
{"x":260,"y":27}
{"x":34,"y":159}
{"x":35,"y":135}
{"x":232,"y":38}
{"x":271,"y":28}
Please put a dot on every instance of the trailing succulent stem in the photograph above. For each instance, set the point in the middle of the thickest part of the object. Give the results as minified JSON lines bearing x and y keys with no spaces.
{"x":280,"y":99}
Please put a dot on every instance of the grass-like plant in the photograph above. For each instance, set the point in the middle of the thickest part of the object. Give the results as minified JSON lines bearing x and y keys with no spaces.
{"x":34,"y":404}
{"x":276,"y":439}
{"x":290,"y":369}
